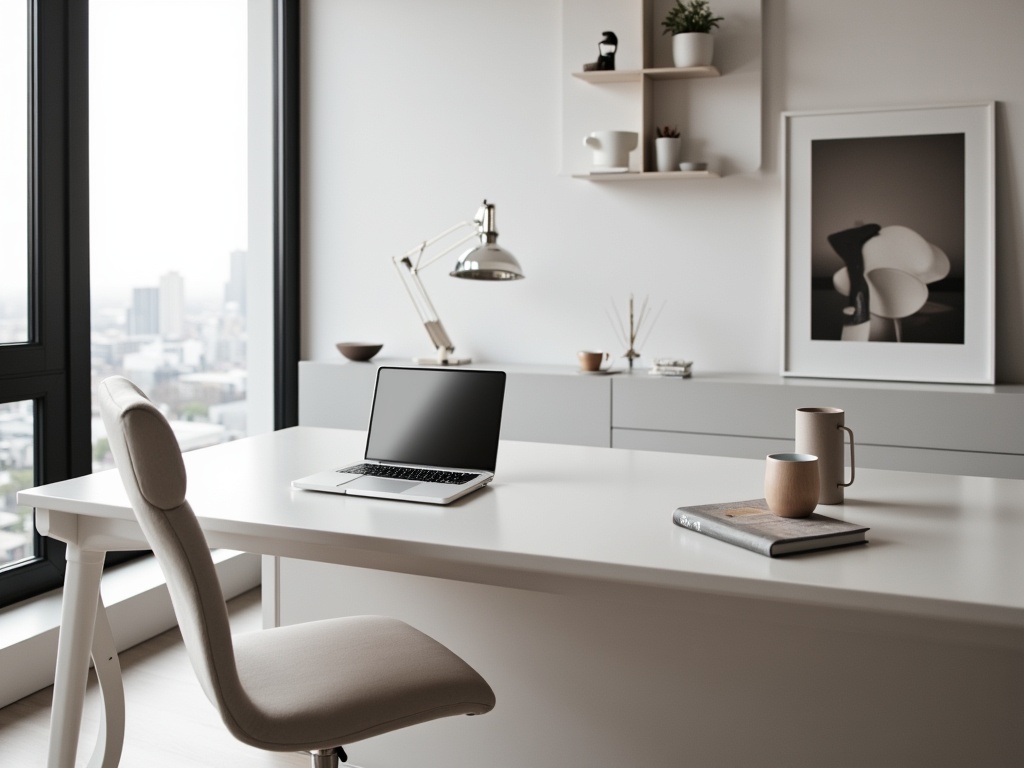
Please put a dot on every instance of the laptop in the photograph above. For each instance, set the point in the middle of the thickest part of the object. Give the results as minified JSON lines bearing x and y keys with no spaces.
{"x":433,"y":437}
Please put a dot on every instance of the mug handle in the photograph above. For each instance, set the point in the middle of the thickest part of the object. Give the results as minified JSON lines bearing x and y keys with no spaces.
{"x":852,"y":467}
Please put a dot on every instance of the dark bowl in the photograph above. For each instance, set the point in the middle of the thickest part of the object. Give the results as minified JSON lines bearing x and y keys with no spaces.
{"x":354,"y":350}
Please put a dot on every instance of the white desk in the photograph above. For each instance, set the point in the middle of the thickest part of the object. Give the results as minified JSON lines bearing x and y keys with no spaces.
{"x":942,"y":582}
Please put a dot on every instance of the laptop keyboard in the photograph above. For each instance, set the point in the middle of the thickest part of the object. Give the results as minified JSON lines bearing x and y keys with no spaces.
{"x":411,"y":473}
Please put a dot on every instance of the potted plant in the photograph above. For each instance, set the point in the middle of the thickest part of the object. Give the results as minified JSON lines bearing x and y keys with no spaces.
{"x":667,"y":145}
{"x":690,"y":24}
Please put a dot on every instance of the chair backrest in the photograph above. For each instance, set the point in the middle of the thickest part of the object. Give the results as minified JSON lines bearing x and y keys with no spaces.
{"x":151,"y":468}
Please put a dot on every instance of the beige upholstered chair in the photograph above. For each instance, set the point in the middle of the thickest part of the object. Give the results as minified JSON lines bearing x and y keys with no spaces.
{"x":307,"y":688}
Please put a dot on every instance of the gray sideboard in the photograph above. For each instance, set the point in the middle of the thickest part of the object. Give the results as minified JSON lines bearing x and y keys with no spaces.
{"x":954,"y":429}
{"x":543,"y":404}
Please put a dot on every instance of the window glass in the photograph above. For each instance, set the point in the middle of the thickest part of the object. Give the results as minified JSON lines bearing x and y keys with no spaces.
{"x":17,"y":452}
{"x":169,"y":210}
{"x":14,"y":171}
{"x":181,"y":148}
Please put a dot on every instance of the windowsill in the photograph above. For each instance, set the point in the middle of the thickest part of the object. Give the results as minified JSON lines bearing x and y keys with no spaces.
{"x":138,"y":606}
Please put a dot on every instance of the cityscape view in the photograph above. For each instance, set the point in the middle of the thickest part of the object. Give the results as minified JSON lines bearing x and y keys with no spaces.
{"x":188,"y":355}
{"x":16,"y":472}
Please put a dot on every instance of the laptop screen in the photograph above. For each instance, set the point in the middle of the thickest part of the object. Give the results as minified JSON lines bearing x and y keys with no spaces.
{"x":440,"y":417}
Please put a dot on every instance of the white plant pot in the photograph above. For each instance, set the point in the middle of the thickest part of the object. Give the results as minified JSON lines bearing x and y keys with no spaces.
{"x":693,"y":49}
{"x":666,"y":153}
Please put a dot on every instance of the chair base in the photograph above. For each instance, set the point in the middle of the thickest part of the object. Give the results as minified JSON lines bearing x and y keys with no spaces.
{"x":328,"y":758}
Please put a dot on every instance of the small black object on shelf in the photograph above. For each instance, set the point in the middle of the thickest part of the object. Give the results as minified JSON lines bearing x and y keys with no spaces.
{"x":605,"y":54}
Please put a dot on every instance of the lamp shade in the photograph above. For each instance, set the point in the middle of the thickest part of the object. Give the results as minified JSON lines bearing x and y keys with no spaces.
{"x":487,"y":261}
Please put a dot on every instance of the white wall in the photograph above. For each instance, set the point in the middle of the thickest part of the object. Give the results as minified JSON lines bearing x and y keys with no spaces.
{"x":416,"y":111}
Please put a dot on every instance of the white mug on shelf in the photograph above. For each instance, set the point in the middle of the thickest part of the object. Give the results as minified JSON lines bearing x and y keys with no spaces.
{"x":612,"y":148}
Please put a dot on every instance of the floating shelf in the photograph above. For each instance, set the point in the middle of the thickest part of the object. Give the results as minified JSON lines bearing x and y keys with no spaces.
{"x":636,"y":75}
{"x":646,"y":175}
{"x":645,"y":77}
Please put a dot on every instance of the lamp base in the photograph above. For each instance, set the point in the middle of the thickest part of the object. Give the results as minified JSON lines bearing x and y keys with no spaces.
{"x":434,"y":361}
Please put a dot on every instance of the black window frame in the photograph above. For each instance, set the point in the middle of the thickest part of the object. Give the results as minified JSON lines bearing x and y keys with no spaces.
{"x":287,"y":213}
{"x":53,"y":367}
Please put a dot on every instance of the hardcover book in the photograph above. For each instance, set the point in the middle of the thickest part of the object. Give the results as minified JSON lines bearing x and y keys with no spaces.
{"x":750,"y":524}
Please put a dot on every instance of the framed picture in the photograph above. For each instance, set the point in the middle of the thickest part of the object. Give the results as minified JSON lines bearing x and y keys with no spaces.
{"x":890,"y":244}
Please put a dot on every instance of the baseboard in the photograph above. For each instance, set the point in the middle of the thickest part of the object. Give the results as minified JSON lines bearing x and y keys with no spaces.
{"x":138,"y":606}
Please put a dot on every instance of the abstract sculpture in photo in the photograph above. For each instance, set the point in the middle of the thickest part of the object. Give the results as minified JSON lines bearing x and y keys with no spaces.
{"x":886,"y":278}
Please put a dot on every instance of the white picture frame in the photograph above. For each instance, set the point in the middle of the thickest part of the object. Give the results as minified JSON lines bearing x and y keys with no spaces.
{"x":884,"y":186}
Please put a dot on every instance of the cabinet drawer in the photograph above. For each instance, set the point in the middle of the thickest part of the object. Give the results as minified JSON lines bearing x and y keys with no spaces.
{"x":702,"y":444}
{"x":867,"y":456}
{"x":942,"y":417}
{"x":557,"y":409}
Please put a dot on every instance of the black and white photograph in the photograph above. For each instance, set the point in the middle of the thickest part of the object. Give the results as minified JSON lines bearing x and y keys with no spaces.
{"x":889,"y":257}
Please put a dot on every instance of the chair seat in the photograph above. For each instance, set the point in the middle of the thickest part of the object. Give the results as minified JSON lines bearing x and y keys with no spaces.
{"x":327,"y":683}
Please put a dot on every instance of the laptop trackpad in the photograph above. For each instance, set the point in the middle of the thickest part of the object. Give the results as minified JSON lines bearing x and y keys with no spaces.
{"x":383,"y":484}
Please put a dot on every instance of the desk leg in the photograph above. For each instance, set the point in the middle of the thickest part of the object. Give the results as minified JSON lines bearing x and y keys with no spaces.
{"x":107,"y":753}
{"x":77,"y":622}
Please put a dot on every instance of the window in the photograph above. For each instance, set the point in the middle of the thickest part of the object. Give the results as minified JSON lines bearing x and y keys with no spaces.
{"x":46,"y":359}
{"x":17,"y":419}
{"x":169,"y":200}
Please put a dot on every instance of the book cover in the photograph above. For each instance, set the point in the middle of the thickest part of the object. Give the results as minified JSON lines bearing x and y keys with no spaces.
{"x":751,"y":525}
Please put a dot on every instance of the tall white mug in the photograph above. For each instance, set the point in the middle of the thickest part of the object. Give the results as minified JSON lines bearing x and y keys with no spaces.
{"x":819,"y":432}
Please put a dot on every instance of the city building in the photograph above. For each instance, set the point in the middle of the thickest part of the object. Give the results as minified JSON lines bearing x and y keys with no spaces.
{"x":144,"y":316}
{"x":172,"y":306}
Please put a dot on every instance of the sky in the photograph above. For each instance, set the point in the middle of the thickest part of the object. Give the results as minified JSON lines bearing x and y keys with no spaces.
{"x":168,"y":141}
{"x":168,"y":96}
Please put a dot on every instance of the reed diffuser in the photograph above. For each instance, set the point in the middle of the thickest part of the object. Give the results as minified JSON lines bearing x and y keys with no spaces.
{"x":637,"y":320}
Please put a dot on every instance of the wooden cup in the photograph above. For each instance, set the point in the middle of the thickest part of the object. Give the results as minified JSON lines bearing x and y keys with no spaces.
{"x":592,"y":361}
{"x":791,"y":484}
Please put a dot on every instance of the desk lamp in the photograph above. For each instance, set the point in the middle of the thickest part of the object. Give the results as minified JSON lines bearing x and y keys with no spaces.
{"x":486,"y":261}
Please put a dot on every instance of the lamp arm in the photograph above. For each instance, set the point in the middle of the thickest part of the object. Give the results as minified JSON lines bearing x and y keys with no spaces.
{"x":424,"y":306}
{"x":409,"y":265}
{"x":419,"y":249}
